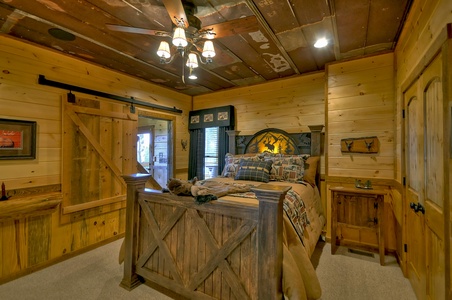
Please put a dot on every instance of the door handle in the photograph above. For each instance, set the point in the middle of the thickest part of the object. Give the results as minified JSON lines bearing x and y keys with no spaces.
{"x":417,"y":207}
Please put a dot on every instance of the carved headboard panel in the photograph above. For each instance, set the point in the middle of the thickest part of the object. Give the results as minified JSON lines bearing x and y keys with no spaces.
{"x":277,"y":141}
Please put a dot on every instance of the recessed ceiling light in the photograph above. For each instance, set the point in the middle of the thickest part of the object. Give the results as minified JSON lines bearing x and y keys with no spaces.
{"x":321,"y":43}
{"x":193,"y":76}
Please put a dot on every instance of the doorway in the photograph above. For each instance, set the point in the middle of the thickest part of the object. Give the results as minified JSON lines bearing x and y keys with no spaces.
{"x":155,"y":148}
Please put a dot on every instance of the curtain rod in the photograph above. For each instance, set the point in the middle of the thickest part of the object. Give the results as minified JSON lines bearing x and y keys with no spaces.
{"x":43,"y":81}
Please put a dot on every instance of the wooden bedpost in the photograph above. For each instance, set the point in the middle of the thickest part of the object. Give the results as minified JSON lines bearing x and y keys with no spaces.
{"x":232,"y":135}
{"x":316,"y":131}
{"x":269,"y":235}
{"x":135,"y":183}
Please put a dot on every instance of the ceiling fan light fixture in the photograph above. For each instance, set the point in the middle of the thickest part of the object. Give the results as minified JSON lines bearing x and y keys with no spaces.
{"x":320,"y":43}
{"x":179,"y":39}
{"x":164,"y":50}
{"x":192,"y":61}
{"x":208,"y":51}
{"x":192,"y":76}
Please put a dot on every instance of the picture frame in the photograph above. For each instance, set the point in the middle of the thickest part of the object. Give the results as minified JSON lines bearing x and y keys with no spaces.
{"x":17,"y":139}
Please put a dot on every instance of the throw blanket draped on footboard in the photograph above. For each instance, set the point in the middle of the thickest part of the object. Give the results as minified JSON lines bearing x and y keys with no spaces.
{"x":211,"y":251}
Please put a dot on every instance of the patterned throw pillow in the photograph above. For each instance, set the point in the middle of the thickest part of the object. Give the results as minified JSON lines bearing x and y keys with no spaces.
{"x":254,"y":170}
{"x":286,"y":167}
{"x":232,"y":163}
{"x":311,"y":169}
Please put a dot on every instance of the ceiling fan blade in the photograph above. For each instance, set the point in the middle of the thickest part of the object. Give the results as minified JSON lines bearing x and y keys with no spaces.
{"x":233,"y":27}
{"x":130,"y":29}
{"x":176,"y":12}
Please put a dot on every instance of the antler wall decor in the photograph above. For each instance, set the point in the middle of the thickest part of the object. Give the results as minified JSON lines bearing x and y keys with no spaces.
{"x":360,"y":145}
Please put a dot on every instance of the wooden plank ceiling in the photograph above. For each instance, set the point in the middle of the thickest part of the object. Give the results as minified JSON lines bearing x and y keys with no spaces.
{"x":256,"y":40}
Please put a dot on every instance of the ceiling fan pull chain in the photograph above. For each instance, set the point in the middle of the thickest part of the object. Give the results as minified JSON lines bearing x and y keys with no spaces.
{"x":183,"y":71}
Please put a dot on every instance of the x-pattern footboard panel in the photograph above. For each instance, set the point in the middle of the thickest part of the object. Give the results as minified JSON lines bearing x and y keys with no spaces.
{"x":198,"y":254}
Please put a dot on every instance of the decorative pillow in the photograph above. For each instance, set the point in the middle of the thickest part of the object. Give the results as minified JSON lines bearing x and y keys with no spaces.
{"x":254,"y":170}
{"x":311,"y":169}
{"x":232,"y":163}
{"x":286,"y":167}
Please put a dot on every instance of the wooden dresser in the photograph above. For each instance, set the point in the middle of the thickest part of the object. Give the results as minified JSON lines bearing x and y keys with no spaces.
{"x":357,"y":219}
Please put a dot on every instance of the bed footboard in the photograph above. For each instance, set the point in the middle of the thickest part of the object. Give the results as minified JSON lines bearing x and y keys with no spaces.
{"x":217,"y":250}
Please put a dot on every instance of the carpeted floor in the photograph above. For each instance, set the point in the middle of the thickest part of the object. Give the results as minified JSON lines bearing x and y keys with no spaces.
{"x":97,"y":274}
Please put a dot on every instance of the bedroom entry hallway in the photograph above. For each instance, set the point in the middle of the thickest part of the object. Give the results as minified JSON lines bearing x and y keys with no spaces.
{"x":96,"y":275}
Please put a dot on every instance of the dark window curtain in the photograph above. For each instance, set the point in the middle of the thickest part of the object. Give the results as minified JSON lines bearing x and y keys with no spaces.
{"x":223,"y":146}
{"x":196,"y":154}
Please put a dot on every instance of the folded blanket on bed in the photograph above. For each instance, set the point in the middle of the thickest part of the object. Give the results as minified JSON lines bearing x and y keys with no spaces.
{"x":205,"y":190}
{"x":300,"y":280}
{"x":293,"y":206}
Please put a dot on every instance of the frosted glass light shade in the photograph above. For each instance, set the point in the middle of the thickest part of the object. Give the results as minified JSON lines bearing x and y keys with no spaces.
{"x":179,"y":38}
{"x":164,"y":50}
{"x":208,"y":50}
{"x":192,"y":61}
{"x":320,"y":43}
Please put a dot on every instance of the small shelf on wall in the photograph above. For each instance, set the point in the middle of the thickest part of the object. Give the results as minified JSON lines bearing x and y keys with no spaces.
{"x":368,"y":144}
{"x":22,"y":207}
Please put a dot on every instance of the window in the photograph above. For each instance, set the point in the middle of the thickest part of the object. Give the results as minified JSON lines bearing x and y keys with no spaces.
{"x":211,"y":153}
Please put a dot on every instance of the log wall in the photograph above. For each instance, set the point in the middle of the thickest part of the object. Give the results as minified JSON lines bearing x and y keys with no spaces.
{"x":28,"y":243}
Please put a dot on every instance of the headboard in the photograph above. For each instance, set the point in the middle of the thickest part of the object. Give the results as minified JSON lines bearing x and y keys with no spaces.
{"x":277,"y":141}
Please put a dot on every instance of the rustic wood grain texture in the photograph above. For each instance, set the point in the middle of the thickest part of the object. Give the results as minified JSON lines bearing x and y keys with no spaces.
{"x":23,"y":98}
{"x":360,"y":104}
{"x":21,"y":207}
{"x":205,"y":251}
{"x":358,"y":219}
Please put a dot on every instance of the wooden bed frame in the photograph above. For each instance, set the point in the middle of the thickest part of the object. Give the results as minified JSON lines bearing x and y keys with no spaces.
{"x":217,"y":250}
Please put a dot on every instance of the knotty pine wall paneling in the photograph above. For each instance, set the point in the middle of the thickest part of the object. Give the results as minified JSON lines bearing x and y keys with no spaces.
{"x":29,"y":243}
{"x":361,"y":103}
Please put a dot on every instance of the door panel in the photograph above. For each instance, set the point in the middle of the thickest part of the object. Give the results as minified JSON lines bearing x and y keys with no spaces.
{"x":434,"y":179}
{"x":415,"y":234}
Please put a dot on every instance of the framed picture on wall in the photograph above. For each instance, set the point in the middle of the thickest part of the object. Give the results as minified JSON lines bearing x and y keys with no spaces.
{"x":17,"y":139}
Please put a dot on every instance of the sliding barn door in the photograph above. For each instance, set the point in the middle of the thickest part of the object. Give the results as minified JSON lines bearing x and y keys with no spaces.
{"x":425,"y":177}
{"x":99,"y":145}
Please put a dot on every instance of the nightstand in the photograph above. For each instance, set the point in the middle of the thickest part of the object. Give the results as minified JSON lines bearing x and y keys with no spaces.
{"x":357,"y":219}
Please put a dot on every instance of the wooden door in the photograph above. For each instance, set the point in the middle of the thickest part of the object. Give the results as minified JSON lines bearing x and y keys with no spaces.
{"x":432,"y":88}
{"x":425,"y":183}
{"x":415,"y":235}
{"x":99,"y":147}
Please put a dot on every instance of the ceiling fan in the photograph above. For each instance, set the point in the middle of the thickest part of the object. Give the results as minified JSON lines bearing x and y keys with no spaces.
{"x":182,"y":14}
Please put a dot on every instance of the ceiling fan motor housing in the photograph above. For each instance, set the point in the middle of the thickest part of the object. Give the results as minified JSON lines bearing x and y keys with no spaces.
{"x":193,"y":21}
